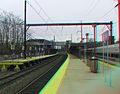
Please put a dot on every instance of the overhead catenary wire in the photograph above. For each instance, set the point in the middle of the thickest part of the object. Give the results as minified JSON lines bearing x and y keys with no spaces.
{"x":92,"y":8}
{"x":40,"y":15}
{"x":36,"y":12}
{"x":89,"y":7}
{"x":106,"y":14}
{"x":42,"y":10}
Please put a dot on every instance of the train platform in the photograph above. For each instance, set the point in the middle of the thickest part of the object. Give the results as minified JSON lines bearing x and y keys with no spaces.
{"x":16,"y":62}
{"x":80,"y":80}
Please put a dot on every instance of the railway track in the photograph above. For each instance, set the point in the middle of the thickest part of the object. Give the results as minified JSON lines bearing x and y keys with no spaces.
{"x":15,"y":75}
{"x":37,"y":84}
{"x":16,"y":81}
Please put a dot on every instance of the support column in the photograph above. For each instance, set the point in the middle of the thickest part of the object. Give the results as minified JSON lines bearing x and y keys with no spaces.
{"x":25,"y":30}
{"x":3,"y":69}
{"x":17,"y":68}
{"x":86,"y":48}
{"x":87,"y":37}
{"x":119,"y":24}
{"x":111,"y":30}
{"x":81,"y":34}
{"x":95,"y":63}
{"x":111,"y":38}
{"x":94,"y":27}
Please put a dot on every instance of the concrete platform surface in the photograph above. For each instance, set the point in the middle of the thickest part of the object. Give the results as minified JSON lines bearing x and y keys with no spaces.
{"x":79,"y":80}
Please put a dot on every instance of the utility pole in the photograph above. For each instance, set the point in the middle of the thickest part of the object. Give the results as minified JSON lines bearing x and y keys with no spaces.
{"x":94,"y":27}
{"x":119,"y":23}
{"x":25,"y":30}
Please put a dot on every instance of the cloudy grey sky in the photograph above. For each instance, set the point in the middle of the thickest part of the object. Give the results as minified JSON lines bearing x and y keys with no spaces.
{"x":63,"y":11}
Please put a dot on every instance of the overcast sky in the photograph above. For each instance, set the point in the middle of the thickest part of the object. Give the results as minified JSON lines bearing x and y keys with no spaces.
{"x":63,"y":11}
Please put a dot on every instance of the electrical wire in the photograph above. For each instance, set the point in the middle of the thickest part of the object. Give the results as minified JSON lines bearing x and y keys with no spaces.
{"x":105,"y":14}
{"x":89,"y":6}
{"x":42,"y":10}
{"x":40,"y":15}
{"x":92,"y":8}
{"x":36,"y":11}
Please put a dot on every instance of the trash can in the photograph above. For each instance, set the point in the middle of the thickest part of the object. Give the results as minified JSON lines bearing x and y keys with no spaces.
{"x":94,"y":64}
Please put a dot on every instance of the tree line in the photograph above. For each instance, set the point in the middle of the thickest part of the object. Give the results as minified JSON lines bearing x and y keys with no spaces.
{"x":11,"y":34}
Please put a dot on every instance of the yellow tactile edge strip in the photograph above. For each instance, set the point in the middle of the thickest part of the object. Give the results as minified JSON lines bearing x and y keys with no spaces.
{"x":52,"y":86}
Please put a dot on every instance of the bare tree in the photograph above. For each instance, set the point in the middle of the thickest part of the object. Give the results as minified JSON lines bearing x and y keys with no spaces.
{"x":11,"y":33}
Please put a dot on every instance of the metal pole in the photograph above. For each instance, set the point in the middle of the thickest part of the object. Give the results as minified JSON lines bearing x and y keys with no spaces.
{"x":103,"y":49}
{"x":110,"y":82}
{"x":94,"y":27}
{"x":25,"y":30}
{"x":86,"y":48}
{"x":84,"y":51}
{"x":81,"y":38}
{"x":119,"y":25}
{"x":111,"y":30}
{"x":81,"y":34}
